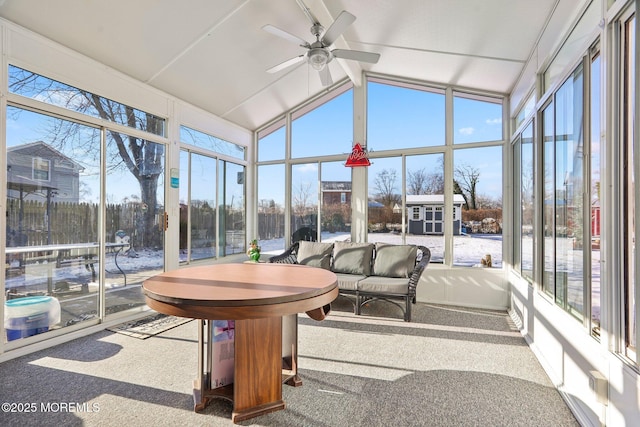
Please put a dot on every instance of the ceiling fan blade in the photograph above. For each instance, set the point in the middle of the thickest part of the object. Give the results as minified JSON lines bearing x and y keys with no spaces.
{"x":285,"y":35}
{"x":337,"y":28}
{"x":285,"y":64}
{"x":356,"y":55}
{"x":325,"y":76}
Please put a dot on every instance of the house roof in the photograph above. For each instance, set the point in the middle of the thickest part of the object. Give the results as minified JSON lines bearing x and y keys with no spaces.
{"x":432,"y":199}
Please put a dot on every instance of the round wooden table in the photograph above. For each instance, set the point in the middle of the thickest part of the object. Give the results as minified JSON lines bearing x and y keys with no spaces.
{"x":258,"y":297}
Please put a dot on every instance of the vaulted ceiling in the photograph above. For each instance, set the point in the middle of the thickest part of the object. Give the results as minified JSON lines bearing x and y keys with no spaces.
{"x":215,"y":53}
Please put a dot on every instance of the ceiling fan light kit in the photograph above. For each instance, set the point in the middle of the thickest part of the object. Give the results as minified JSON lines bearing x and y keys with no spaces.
{"x":318,"y":58}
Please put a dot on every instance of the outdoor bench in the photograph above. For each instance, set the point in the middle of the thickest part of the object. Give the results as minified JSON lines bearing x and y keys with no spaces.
{"x":366,"y":271}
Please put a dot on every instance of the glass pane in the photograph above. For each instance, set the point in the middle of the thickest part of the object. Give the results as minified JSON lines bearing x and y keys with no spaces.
{"x":404,"y":116}
{"x":595,"y":195}
{"x":135,"y":214}
{"x":549,"y":199}
{"x":202,"y":207}
{"x":271,"y":208}
{"x":476,"y":120}
{"x":44,"y":89}
{"x":232,"y":209}
{"x":569,"y":183}
{"x":385,"y":193}
{"x":272,"y":142}
{"x":304,"y":202}
{"x":526,"y":200}
{"x":183,"y":191}
{"x":630,"y":189}
{"x":53,"y":195}
{"x":335,"y":199}
{"x":478,"y":196}
{"x":209,"y":142}
{"x":424,"y":193}
{"x":326,"y":129}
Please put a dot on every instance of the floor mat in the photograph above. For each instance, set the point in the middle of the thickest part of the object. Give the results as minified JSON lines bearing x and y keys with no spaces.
{"x":149,"y":326}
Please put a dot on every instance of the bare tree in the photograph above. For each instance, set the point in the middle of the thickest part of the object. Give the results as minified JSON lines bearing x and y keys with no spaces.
{"x":467,"y":178}
{"x":417,"y":181}
{"x":385,"y":186}
{"x":302,"y":199}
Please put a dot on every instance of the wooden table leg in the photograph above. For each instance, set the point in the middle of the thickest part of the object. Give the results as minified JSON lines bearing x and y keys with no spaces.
{"x":257,"y":387}
{"x":290,"y":351}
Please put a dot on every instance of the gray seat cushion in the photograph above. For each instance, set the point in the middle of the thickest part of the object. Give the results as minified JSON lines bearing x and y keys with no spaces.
{"x":315,"y":254}
{"x":377,"y":284}
{"x":348,"y":282}
{"x":352,"y":258}
{"x":394,"y":260}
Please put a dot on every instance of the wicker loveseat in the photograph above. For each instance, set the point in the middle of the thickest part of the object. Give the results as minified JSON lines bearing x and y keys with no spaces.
{"x":366,"y":271}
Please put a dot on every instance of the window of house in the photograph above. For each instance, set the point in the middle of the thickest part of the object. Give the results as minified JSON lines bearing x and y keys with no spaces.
{"x":424,"y":186}
{"x":40,"y":170}
{"x":272,"y":141}
{"x":211,"y":143}
{"x":526,"y":211}
{"x":198,"y":207}
{"x":402,"y":115}
{"x":476,"y":118}
{"x":629,"y":188}
{"x":335,"y":202}
{"x":564,"y":183}
{"x":324,"y":126}
{"x":595,"y":208}
{"x":477,"y":191}
{"x":304,"y":201}
{"x":271,"y":207}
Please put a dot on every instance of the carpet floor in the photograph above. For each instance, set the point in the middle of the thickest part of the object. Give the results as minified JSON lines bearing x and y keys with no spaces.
{"x":450,"y":366}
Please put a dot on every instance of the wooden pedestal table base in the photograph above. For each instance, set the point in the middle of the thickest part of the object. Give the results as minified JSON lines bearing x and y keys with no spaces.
{"x":264,"y":300}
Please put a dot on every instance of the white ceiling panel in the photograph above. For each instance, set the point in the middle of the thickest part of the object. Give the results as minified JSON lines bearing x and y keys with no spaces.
{"x":214,"y":53}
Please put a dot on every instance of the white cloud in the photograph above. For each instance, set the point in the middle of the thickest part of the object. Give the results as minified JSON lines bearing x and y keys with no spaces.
{"x":466,"y":131}
{"x":494,"y":121}
{"x":308,"y":167}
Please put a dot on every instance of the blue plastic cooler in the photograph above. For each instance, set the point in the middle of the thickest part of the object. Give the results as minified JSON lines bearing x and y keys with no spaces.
{"x":24,"y":317}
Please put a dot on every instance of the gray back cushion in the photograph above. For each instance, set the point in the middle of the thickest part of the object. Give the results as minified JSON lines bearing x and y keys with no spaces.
{"x":394,"y":260}
{"x":352,"y":258}
{"x":315,"y":254}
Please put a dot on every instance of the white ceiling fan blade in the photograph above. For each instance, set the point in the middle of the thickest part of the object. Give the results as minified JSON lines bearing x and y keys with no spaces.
{"x":285,"y":35}
{"x":356,"y":55}
{"x":285,"y":64}
{"x":325,"y":76}
{"x":337,"y":28}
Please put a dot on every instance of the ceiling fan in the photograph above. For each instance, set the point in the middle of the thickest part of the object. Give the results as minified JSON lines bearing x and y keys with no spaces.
{"x":318,"y":53}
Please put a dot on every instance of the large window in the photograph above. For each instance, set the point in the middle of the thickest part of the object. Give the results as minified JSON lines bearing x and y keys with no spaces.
{"x":595,"y":188}
{"x":304,"y":201}
{"x":476,"y":118}
{"x":565,"y":233}
{"x":198,"y":210}
{"x":385,"y":194}
{"x":524,"y":202}
{"x":629,"y":189}
{"x":56,"y":252}
{"x":477,"y":204}
{"x":212,"y":201}
{"x":325,"y":126}
{"x":424,"y":220}
{"x":402,"y":115}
